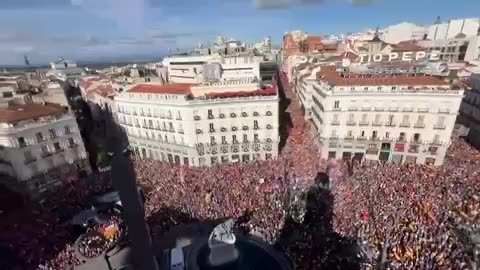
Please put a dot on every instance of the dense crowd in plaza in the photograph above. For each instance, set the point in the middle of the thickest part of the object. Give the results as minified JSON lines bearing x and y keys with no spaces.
{"x":404,"y":216}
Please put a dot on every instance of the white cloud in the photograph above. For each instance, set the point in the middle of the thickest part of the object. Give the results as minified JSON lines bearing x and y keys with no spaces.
{"x":274,"y":4}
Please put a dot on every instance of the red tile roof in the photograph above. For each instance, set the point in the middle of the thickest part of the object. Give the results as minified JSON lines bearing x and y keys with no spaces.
{"x":177,"y":89}
{"x":19,"y":112}
{"x":329,"y":74}
{"x":259,"y":92}
{"x":407,"y":46}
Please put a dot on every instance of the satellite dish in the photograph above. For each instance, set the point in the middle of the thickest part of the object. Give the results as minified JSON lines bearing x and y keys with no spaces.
{"x":346,"y":62}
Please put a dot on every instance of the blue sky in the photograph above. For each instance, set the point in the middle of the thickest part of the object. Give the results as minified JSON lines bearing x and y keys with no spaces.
{"x":115,"y":29}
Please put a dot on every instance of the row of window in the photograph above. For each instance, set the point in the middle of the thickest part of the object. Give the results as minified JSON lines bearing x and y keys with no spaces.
{"x":416,"y":138}
{"x":212,"y":128}
{"x":336,"y":106}
{"x":245,"y":139}
{"x":40,"y":136}
{"x":47,"y":150}
{"x":150,"y":124}
{"x":163,"y":138}
{"x":420,"y":121}
{"x":232,"y":115}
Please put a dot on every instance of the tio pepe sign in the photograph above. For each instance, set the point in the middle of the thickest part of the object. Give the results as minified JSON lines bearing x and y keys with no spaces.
{"x":406,"y":57}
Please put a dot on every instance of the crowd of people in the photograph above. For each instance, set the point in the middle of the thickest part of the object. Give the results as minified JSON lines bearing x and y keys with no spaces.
{"x":404,"y":216}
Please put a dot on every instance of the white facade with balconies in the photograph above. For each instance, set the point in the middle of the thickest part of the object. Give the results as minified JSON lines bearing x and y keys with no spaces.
{"x":201,"y":125}
{"x":36,"y":140}
{"x":398,"y":119}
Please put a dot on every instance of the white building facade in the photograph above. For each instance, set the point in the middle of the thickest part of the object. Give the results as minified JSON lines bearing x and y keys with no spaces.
{"x":40,"y":145}
{"x":398,"y":119}
{"x":189,"y":69}
{"x":201,"y":125}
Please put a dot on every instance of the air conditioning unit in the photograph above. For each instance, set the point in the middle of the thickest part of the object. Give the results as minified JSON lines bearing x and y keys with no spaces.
{"x":223,"y":129}
{"x":213,"y":143}
{"x":233,"y":115}
{"x":234,"y":128}
{"x":214,"y":152}
{"x":235,"y":150}
{"x":269,"y":126}
{"x":222,"y":115}
{"x":244,"y":114}
{"x":245,"y":127}
{"x":199,"y":131}
{"x":269,"y":140}
{"x":269,"y":113}
{"x":255,"y":113}
{"x":224,"y":150}
{"x":269,"y":148}
{"x":210,"y":116}
{"x":201,"y":153}
{"x":257,"y":149}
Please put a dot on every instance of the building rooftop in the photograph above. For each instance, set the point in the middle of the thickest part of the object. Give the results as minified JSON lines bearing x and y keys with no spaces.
{"x":330,"y":74}
{"x":20,"y":112}
{"x":175,"y":89}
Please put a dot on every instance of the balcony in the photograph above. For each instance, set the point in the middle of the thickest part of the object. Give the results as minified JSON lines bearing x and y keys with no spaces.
{"x":181,"y":131}
{"x":423,"y":110}
{"x":22,"y":144}
{"x":335,"y":123}
{"x":366,"y":109}
{"x":333,"y":137}
{"x":418,"y":141}
{"x":349,"y":138}
{"x":171,"y":130}
{"x":379,"y":109}
{"x":408,"y":109}
{"x":439,"y":127}
{"x":404,"y":124}
{"x":376,"y":124}
{"x":151,"y":127}
{"x":336,"y":109}
{"x":393,"y":109}
{"x":179,"y":118}
{"x":352,"y":109}
{"x":419,"y":125}
{"x":134,"y":113}
{"x":351,"y":123}
{"x":436,"y":142}
{"x":30,"y":160}
{"x":59,"y":150}
{"x":137,"y":125}
{"x":363,"y":123}
{"x":401,"y":139}
{"x":40,"y":140}
{"x":444,"y":110}
{"x":391,"y":124}
{"x":361,"y":138}
{"x":374,"y":138}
